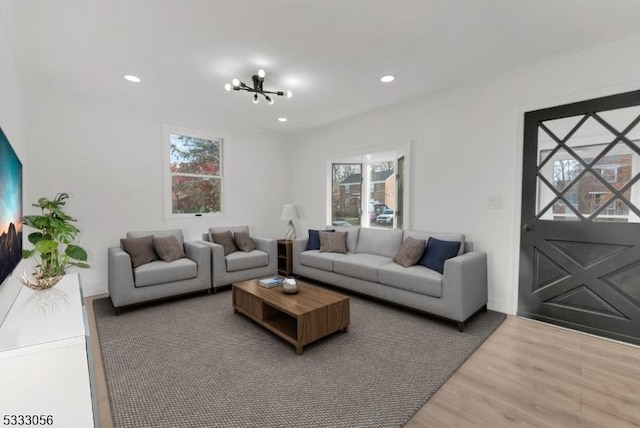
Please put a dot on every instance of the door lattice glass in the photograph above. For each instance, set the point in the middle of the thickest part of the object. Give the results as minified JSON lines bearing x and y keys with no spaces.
{"x":589,"y":167}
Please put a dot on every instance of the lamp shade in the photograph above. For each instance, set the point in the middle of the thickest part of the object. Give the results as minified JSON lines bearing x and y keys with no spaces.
{"x":289,"y":212}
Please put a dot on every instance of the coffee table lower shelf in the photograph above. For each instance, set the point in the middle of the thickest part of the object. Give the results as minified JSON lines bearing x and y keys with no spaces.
{"x":283,"y":325}
{"x":297,"y":326}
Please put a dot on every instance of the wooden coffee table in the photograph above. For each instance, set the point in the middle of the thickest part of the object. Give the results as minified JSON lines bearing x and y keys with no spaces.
{"x":301,"y":318}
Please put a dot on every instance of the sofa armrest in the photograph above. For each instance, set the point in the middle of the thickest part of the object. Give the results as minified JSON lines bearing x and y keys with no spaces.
{"x":218,"y":262}
{"x":464,"y":284}
{"x":120,"y":276}
{"x":299,"y":245}
{"x":269,"y":246}
{"x":200,"y":253}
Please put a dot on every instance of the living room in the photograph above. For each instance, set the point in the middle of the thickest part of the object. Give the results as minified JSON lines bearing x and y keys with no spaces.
{"x":79,"y":127}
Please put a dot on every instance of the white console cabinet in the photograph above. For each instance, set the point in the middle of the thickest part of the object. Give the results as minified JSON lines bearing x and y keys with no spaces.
{"x":44,"y":363}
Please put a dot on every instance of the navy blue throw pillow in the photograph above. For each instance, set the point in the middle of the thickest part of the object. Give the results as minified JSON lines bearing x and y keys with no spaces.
{"x":314,"y":239}
{"x":437,"y":252}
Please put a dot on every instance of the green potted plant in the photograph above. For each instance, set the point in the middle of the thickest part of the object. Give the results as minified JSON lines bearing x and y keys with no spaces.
{"x":53,"y":243}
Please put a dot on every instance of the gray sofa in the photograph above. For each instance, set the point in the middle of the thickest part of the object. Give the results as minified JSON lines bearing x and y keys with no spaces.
{"x":368,"y":268}
{"x":157,"y":279}
{"x":240,"y":265}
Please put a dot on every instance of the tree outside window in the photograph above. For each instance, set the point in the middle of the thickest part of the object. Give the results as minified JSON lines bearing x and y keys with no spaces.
{"x":195,"y":167}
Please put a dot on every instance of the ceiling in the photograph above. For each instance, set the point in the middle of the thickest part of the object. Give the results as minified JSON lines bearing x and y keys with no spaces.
{"x":330,"y":54}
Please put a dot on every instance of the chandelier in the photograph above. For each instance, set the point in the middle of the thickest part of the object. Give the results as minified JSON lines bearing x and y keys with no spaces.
{"x":258,"y":80}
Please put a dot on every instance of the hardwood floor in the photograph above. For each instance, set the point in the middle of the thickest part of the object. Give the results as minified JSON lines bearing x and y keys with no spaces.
{"x":104,"y":407}
{"x":526,"y":374}
{"x":533,"y":374}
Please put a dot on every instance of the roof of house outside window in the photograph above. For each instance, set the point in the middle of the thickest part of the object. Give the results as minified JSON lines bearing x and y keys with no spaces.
{"x":352,"y":179}
{"x":380,"y":176}
{"x":377,"y":177}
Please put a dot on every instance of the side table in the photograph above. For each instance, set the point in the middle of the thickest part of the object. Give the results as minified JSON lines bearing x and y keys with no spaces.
{"x":285,"y":257}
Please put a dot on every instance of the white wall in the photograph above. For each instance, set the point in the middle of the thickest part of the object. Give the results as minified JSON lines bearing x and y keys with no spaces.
{"x":12,"y":122}
{"x":108,"y":156}
{"x":466,"y":146}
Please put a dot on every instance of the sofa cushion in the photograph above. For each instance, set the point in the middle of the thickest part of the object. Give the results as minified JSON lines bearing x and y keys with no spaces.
{"x":226,"y":240}
{"x":243,"y":241}
{"x":168,"y":248}
{"x":417,"y":279}
{"x":437,"y":252}
{"x":159,"y":272}
{"x":318,"y":260}
{"x":140,"y":250}
{"x":240,"y":260}
{"x":443,"y":236}
{"x":158,"y":234}
{"x":380,"y":242}
{"x":410,"y":252}
{"x":314,"y":239}
{"x":352,"y":236}
{"x":313,"y":243}
{"x":363,"y":266}
{"x":333,"y":242}
{"x":233,"y":229}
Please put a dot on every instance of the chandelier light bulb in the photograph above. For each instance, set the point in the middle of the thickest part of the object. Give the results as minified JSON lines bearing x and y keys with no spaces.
{"x":269,"y":99}
{"x":227,"y":86}
{"x":235,"y":82}
{"x":255,"y":98}
{"x":261,"y":73}
{"x":289,"y":94}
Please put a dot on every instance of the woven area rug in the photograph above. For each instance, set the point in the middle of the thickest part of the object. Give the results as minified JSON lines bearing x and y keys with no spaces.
{"x":192,"y":362}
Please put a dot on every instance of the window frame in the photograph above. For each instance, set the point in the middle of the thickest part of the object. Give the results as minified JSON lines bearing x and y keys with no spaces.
{"x":169,"y":129}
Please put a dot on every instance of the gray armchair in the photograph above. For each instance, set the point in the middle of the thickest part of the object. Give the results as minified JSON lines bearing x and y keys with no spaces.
{"x":240,"y":265}
{"x":157,"y":279}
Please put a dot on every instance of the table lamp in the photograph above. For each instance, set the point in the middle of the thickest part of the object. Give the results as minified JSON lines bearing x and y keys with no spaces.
{"x":290,"y":212}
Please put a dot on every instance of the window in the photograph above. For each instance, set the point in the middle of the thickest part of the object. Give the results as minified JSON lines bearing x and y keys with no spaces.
{"x":367,"y":191}
{"x":596,"y":200}
{"x":194,"y":172}
{"x":382,"y":190}
{"x":608,"y":172}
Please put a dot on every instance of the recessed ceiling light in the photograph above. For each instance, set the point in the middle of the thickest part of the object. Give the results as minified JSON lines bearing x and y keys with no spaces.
{"x":387,"y":79}
{"x":282,"y":119}
{"x":132,"y":78}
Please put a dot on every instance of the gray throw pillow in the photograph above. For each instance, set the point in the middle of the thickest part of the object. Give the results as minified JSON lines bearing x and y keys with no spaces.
{"x":168,"y":248}
{"x":243,"y":241}
{"x":139,"y":249}
{"x":410,"y":252}
{"x":226,"y":240}
{"x":333,"y":242}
